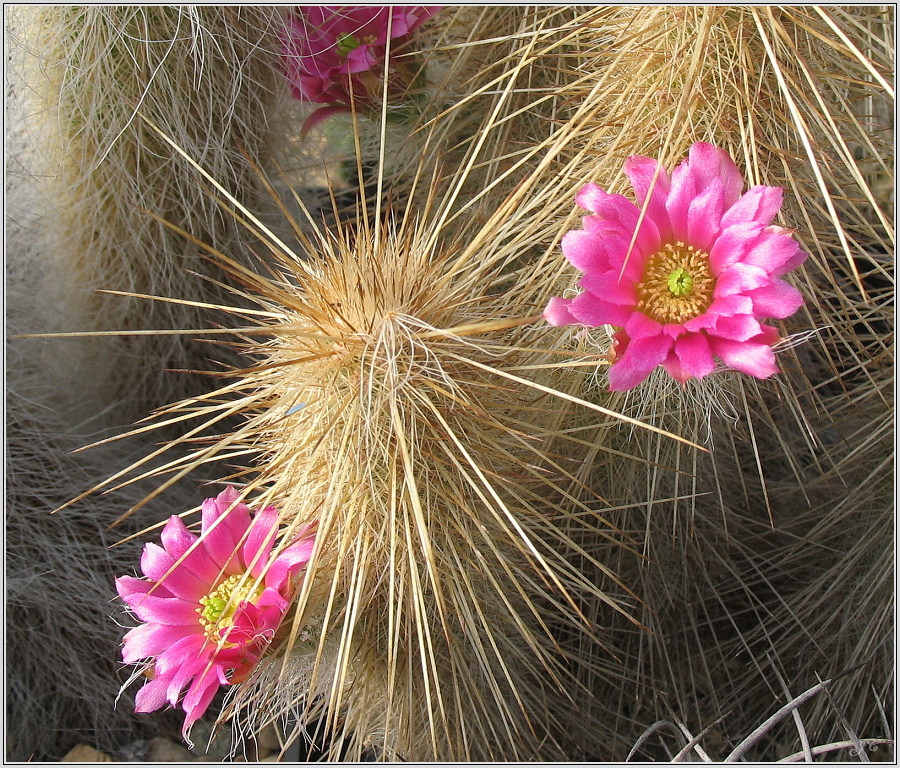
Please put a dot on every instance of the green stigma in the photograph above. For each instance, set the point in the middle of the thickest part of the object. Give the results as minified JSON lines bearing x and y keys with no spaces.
{"x":346,"y":43}
{"x":680,"y":282}
{"x":213,"y":608}
{"x":220,"y":604}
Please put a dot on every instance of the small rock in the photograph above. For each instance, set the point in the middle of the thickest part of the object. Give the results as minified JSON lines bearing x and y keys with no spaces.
{"x":207,"y":749}
{"x":135,"y":752}
{"x":82,"y":753}
{"x":267,"y":741}
{"x":165,"y":751}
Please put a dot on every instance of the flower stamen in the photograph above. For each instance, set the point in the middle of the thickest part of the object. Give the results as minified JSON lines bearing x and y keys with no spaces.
{"x":677,"y":284}
{"x":220,"y":604}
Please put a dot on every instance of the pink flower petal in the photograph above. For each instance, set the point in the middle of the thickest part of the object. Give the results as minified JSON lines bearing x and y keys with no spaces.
{"x":222,"y":529}
{"x":610,"y":288}
{"x":702,"y":322}
{"x":681,"y":193}
{"x":241,"y":631}
{"x":199,"y":697}
{"x":737,"y":327}
{"x":778,"y":299}
{"x":321,"y":70}
{"x":596,"y":200}
{"x":708,"y":163}
{"x":791,"y":264}
{"x":769,"y":336}
{"x":673,"y":330}
{"x":272,"y":603}
{"x":178,"y":542}
{"x":704,"y":216}
{"x":775,"y":251}
{"x":731,"y":246}
{"x":149,"y":640}
{"x":588,"y":309}
{"x":640,"y":326}
{"x":288,"y":562}
{"x":260,"y":539}
{"x":700,"y":206}
{"x":694,"y":355}
{"x":160,"y":566}
{"x":186,"y":650}
{"x":618,"y":347}
{"x":740,"y":278}
{"x":672,"y":366}
{"x":182,"y":676}
{"x":621,"y":254}
{"x":130,"y":588}
{"x":176,"y":538}
{"x":640,"y":172}
{"x":152,"y":695}
{"x":319,"y":116}
{"x":361,"y":59}
{"x":735,"y":304}
{"x":693,"y":177}
{"x":227,"y":500}
{"x":172,"y":611}
{"x":407,"y":19}
{"x":557,"y":312}
{"x":254,"y":625}
{"x":617,"y":211}
{"x":748,"y":357}
{"x":639,"y":359}
{"x":585,"y":251}
{"x":155,"y":561}
{"x":759,"y":205}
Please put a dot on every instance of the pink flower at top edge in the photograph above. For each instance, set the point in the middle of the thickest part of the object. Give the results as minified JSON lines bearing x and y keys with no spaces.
{"x":208,"y":615}
{"x":705,"y":267}
{"x":333,"y":51}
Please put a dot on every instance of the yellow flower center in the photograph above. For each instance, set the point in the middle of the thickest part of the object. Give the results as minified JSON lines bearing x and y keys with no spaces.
{"x":677,"y":284}
{"x":347,"y":42}
{"x":218,"y":606}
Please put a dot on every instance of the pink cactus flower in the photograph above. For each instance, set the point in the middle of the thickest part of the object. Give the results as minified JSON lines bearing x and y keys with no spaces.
{"x":693,"y":281}
{"x":333,"y":51}
{"x":211,"y":608}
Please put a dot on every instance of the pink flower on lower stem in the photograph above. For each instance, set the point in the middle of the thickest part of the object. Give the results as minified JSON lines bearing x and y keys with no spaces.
{"x":211,"y":608}
{"x":693,"y":281}
{"x":338,"y":55}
